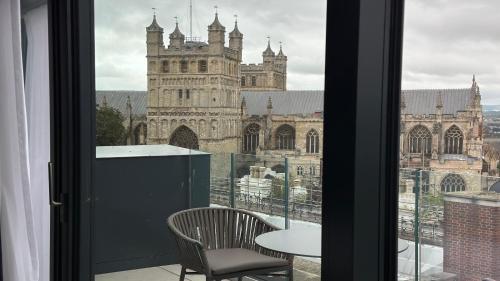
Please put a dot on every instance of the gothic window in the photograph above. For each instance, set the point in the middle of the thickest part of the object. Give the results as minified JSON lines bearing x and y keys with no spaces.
{"x":254,"y":81}
{"x":312,"y":142}
{"x":285,"y":137}
{"x":184,"y":66}
{"x":453,"y":141}
{"x":312,"y":170}
{"x":452,"y":183}
{"x":165,"y":66}
{"x":420,"y":140}
{"x":179,"y":92}
{"x":243,"y":81}
{"x":187,"y":94}
{"x":300,"y":170}
{"x":202,"y":66}
{"x":184,"y":137}
{"x":251,"y":138}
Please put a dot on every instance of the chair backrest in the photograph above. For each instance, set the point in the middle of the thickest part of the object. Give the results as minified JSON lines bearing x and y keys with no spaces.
{"x":218,"y":228}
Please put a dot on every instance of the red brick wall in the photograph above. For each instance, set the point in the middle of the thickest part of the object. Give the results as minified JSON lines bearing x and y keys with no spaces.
{"x":471,"y":241}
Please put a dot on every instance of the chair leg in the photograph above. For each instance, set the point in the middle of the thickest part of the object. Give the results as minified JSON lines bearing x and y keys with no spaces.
{"x":290,"y":275}
{"x":183,"y":274}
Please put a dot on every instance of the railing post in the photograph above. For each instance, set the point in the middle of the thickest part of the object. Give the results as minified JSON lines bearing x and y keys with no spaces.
{"x":231,"y":184}
{"x":416,"y":225}
{"x":287,"y":222}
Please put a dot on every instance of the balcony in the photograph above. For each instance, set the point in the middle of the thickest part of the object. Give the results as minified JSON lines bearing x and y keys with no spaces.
{"x":284,"y":191}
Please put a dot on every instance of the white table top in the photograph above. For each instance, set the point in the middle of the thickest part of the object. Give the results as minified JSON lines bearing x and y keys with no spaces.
{"x":299,"y":242}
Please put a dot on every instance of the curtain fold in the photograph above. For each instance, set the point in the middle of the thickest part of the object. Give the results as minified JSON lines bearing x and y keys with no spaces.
{"x":23,"y":147}
{"x":38,"y":116}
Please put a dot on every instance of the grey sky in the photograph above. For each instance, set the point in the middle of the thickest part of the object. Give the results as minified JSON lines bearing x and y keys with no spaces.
{"x":446,"y":41}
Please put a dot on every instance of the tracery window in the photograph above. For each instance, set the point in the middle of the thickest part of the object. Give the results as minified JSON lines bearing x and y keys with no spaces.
{"x":420,"y":140}
{"x":251,"y":138}
{"x":453,"y":141}
{"x":312,"y":142}
{"x":300,"y":170}
{"x":452,"y":183}
{"x":184,"y":137}
{"x":285,"y":137}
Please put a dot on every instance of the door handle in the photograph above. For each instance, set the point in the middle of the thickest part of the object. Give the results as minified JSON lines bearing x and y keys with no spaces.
{"x":53,"y":202}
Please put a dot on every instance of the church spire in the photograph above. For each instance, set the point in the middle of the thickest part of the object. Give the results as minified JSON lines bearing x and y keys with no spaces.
{"x":268,"y":52}
{"x":154,"y":26}
{"x":439,"y":101}
{"x":280,"y":54}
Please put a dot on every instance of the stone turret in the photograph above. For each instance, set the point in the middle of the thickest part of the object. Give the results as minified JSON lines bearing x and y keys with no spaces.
{"x":236,"y":40}
{"x":154,"y":38}
{"x":216,"y":34}
{"x":268,"y":56}
{"x":281,"y":62}
{"x":176,"y":38}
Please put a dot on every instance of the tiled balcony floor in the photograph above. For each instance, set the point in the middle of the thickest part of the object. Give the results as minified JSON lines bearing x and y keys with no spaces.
{"x":171,"y":273}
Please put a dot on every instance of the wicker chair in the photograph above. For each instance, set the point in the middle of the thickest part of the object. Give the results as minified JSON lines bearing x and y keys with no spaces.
{"x":220,"y":243}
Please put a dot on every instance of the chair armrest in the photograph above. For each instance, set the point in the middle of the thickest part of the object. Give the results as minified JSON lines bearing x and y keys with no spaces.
{"x":191,"y":251}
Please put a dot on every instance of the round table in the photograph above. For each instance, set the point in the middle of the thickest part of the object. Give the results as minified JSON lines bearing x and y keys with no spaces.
{"x":298,"y":242}
{"x":403,"y":245}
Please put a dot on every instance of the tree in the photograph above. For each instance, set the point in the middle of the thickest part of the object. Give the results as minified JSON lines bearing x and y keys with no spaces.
{"x":109,"y":127}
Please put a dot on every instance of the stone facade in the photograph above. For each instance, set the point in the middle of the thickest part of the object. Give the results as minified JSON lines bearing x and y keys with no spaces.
{"x":441,"y":130}
{"x":193,"y":89}
{"x":270,"y":75}
{"x":472,"y":236}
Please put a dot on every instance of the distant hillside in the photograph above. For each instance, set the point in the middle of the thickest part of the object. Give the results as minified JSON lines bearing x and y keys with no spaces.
{"x":491,"y":107}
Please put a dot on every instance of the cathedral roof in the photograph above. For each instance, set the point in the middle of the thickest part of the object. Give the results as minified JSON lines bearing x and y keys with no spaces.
{"x":284,"y":102}
{"x":177,"y":33}
{"x":154,"y":26}
{"x":236,"y":32}
{"x":118,"y":100}
{"x":216,"y":25}
{"x":424,"y":102}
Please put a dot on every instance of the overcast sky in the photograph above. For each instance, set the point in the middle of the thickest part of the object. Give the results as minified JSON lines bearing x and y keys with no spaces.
{"x":445,"y":41}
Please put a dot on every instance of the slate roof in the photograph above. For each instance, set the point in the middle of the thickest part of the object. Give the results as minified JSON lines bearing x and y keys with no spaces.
{"x":118,"y":100}
{"x":420,"y":102}
{"x":284,"y":103}
{"x":304,"y":102}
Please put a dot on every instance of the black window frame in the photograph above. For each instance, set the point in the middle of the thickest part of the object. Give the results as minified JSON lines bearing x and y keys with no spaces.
{"x":359,"y":214}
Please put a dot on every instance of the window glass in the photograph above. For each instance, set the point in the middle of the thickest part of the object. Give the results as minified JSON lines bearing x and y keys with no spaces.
{"x":448,"y":143}
{"x":207,"y":107}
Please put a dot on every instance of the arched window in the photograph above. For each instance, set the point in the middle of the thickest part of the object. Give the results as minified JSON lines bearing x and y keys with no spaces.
{"x":420,"y":140}
{"x":165,"y":66}
{"x":312,"y":142}
{"x":184,"y":66}
{"x":278,"y":168}
{"x":202,"y":66}
{"x":452,"y":183}
{"x":453,"y":141}
{"x":184,"y":137}
{"x":251,"y":138}
{"x":243,"y":81}
{"x":285,"y":137}
{"x":300,"y":170}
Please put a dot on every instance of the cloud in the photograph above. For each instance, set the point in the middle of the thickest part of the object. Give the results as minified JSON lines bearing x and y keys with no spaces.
{"x":445,"y":41}
{"x":121,"y":37}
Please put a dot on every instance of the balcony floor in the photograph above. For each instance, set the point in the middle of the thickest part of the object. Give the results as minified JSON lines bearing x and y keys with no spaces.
{"x":171,"y":273}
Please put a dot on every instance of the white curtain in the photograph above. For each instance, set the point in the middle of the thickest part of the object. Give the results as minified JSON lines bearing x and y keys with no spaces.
{"x":37,"y":107}
{"x":24,"y":146}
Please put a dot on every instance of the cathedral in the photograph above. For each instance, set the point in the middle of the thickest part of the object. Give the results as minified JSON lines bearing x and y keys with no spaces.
{"x":200,"y":96}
